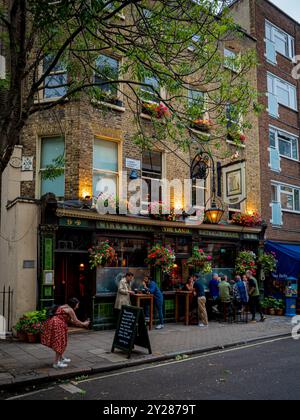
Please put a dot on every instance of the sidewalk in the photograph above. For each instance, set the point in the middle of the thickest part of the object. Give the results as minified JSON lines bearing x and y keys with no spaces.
{"x":25,"y":364}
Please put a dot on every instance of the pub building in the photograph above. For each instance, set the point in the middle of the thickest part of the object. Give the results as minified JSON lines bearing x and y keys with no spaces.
{"x":69,"y":229}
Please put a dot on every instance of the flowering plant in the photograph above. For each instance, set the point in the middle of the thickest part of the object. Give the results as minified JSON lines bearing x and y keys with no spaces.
{"x":160,"y":256}
{"x":200,"y":260}
{"x":160,"y":211}
{"x":203,"y":124}
{"x":247,"y":219}
{"x":101,"y":255}
{"x":34,"y":327}
{"x":245,"y":261}
{"x":268,"y":262}
{"x":157,"y":110}
{"x":236,"y":136}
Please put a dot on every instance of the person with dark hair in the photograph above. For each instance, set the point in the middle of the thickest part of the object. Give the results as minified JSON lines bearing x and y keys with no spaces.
{"x":55,"y":331}
{"x":124,"y":292}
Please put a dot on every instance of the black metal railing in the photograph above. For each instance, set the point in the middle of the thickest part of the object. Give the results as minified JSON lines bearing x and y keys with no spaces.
{"x":6,"y":301}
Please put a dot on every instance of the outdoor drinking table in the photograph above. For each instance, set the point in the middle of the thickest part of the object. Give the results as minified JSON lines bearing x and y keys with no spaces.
{"x":139,"y":297}
{"x":187,"y":295}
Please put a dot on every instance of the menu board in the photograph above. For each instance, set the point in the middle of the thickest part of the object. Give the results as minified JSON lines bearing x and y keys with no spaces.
{"x":131,"y":331}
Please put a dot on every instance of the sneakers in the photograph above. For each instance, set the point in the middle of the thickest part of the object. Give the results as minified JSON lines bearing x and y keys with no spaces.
{"x":202,"y":325}
{"x":263,"y":319}
{"x":65,"y":360}
{"x":60,"y":365}
{"x":159,"y":327}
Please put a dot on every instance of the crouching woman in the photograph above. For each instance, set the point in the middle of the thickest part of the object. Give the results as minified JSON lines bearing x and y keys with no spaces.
{"x":55,"y":331}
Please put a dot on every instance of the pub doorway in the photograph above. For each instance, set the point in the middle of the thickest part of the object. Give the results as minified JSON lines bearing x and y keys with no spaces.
{"x":73,"y":278}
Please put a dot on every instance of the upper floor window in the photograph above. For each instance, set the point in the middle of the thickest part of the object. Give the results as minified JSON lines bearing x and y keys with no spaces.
{"x":108,"y":71}
{"x":55,"y":85}
{"x":52,"y":152}
{"x":194,"y":42}
{"x":285,"y":143}
{"x":230,"y":61}
{"x":278,"y":41}
{"x":196,"y":102}
{"x":150,"y":89}
{"x":280,"y":92}
{"x":105,"y":167}
{"x":152,"y":172}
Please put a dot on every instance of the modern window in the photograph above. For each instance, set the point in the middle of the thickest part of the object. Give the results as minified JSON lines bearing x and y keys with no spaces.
{"x":232,"y":115}
{"x":150,"y":89}
{"x":105,"y":167}
{"x":107,"y":71}
{"x":52,"y":151}
{"x":230,"y":61}
{"x":152,"y":171}
{"x":278,"y":41}
{"x":288,"y":196}
{"x":55,"y":85}
{"x":277,"y":219}
{"x":280,"y":92}
{"x":286,"y":144}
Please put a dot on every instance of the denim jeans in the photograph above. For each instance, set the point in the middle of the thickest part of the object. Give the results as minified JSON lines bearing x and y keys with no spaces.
{"x":159,"y":304}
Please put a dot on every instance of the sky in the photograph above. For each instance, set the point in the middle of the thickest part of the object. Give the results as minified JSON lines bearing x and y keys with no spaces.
{"x":291,"y":7}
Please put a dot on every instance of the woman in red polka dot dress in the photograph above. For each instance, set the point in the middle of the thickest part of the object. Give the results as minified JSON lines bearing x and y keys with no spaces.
{"x":55,"y":331}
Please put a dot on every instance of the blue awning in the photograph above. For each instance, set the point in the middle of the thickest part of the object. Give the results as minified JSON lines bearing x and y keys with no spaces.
{"x":288,"y":256}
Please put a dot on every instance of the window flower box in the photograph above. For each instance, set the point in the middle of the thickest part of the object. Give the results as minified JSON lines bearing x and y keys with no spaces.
{"x":156,"y":110}
{"x":202,"y":125}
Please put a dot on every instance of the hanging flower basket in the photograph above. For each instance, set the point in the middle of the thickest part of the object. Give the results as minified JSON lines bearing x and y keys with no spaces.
{"x":245,"y":261}
{"x":101,"y":255}
{"x":162,"y":257}
{"x":268,"y":262}
{"x":200,"y":261}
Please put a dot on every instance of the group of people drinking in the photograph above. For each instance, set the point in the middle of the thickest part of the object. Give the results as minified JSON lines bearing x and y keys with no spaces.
{"x":225,"y":296}
{"x":241,"y":292}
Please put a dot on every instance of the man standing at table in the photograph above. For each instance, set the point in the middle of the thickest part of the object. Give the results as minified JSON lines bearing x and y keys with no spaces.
{"x":124,"y":292}
{"x":154,"y":290}
{"x":202,"y":312}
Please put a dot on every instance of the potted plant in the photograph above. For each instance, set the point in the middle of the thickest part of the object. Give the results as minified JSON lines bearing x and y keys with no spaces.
{"x":101,"y":255}
{"x":20,"y":329}
{"x":162,"y":257}
{"x":279,"y":307}
{"x":33,"y":330}
{"x":272,"y":306}
{"x":200,"y":261}
{"x":157,"y":110}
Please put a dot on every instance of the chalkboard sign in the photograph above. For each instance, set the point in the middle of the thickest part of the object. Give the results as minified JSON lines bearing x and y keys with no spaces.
{"x":131,"y":331}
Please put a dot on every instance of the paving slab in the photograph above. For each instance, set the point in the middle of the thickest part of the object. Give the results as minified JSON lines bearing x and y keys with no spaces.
{"x":23,"y":363}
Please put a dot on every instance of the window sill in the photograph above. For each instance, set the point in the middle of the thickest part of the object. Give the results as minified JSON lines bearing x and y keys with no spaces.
{"x":205,"y":133}
{"x":232,"y":143}
{"x":49,"y":100}
{"x":108,"y":105}
{"x":291,"y":212}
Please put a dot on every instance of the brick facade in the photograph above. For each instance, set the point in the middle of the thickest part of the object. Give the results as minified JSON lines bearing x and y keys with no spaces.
{"x":252,"y":15}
